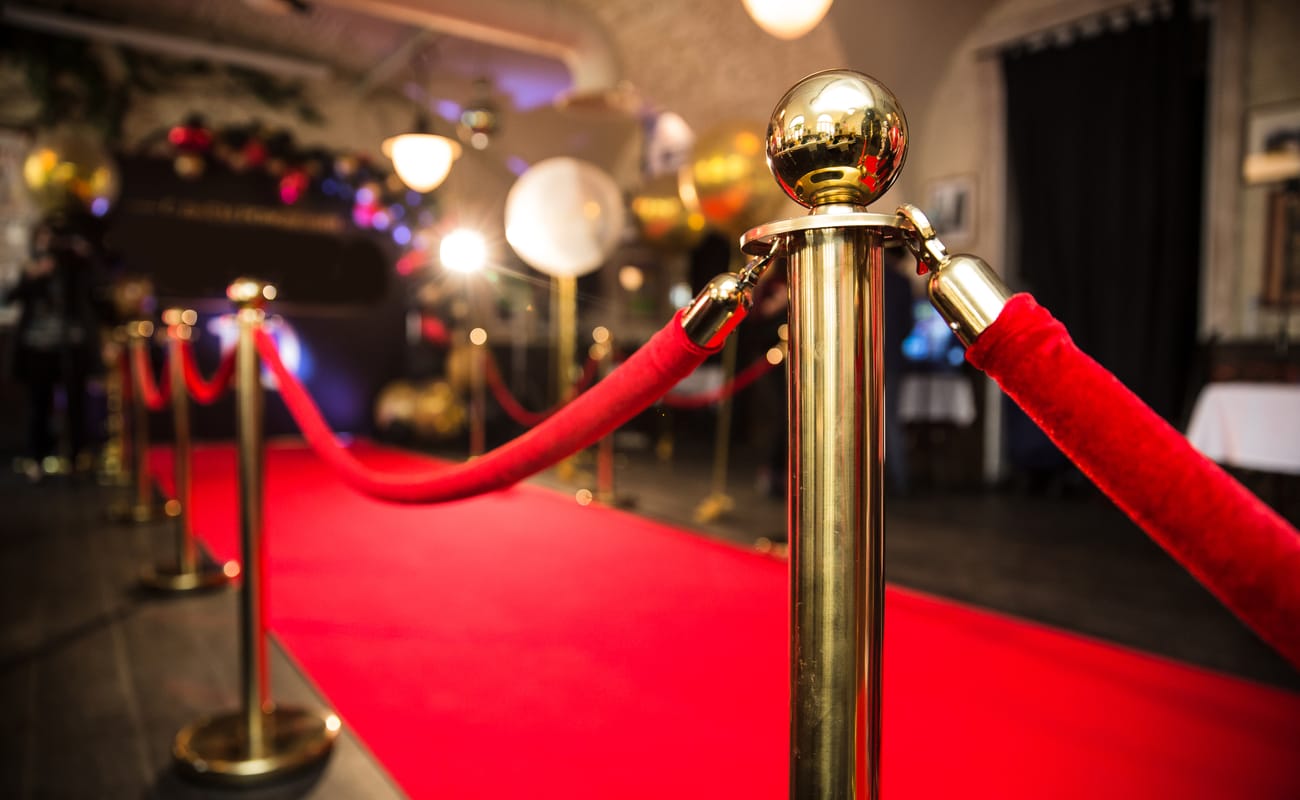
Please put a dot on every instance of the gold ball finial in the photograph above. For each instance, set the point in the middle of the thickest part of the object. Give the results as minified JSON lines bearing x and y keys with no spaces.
{"x":250,"y":293}
{"x":837,"y":137}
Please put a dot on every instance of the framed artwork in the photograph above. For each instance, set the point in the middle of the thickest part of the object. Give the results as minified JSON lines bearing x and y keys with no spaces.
{"x":1273,"y":161}
{"x":950,"y":205}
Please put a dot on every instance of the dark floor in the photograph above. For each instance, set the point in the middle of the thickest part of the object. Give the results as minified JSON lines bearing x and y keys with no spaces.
{"x":96,"y":679}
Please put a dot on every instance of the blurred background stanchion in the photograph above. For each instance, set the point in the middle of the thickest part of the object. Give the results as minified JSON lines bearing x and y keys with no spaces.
{"x":260,"y":741}
{"x":114,"y":457}
{"x":185,"y":573}
{"x":717,"y":503}
{"x":564,"y":323}
{"x":140,"y":507}
{"x":602,"y":351}
{"x":478,"y":397}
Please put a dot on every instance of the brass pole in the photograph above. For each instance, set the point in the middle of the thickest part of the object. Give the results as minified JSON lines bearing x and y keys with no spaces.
{"x":565,"y":315}
{"x":261,"y":740}
{"x":140,"y":507}
{"x":836,"y":519}
{"x":603,"y":349}
{"x":248,"y":420}
{"x":114,"y":468}
{"x":478,"y":397}
{"x":187,"y":573}
{"x":718,"y":501}
{"x":835,"y":143}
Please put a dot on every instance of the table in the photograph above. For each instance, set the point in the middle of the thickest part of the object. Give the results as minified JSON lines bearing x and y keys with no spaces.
{"x":1250,"y":425}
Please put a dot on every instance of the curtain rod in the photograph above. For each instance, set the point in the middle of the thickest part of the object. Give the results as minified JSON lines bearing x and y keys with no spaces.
{"x":1085,"y":26}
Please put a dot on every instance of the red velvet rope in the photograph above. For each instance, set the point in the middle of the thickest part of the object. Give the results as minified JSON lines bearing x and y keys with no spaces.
{"x":741,"y":380}
{"x":516,"y":410}
{"x":1239,"y":548}
{"x":667,"y":358}
{"x":155,"y":398}
{"x":205,"y":391}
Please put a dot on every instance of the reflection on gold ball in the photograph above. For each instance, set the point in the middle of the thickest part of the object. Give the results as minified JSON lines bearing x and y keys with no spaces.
{"x":837,"y":137}
{"x":732,"y":182}
{"x":70,"y":168}
{"x":438,"y":411}
{"x":667,"y":220}
{"x":395,"y":406}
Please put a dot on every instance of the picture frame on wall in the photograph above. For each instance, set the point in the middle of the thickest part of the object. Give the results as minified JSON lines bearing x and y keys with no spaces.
{"x":950,"y":205}
{"x":1272,"y":162}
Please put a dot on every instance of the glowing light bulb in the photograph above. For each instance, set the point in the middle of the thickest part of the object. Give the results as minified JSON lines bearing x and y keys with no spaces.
{"x":463,"y":251}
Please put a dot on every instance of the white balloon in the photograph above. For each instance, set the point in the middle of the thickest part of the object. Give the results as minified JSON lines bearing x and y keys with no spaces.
{"x":564,"y":217}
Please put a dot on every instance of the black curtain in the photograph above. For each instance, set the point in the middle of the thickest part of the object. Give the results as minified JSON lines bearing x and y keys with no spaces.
{"x":1105,"y":144}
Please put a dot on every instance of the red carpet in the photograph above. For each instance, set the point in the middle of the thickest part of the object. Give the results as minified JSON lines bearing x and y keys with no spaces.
{"x":521,"y":646}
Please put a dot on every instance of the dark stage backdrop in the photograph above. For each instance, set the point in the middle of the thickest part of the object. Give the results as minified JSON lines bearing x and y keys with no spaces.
{"x":336,"y":287}
{"x":1105,"y":139}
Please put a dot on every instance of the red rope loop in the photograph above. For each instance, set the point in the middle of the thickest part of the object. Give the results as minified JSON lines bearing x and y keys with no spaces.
{"x":155,"y":397}
{"x":1237,"y":547}
{"x":202,"y":390}
{"x":738,"y":383}
{"x":515,"y":410}
{"x":654,"y":369}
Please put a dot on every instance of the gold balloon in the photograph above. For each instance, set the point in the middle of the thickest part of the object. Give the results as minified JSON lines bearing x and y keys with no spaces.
{"x":438,"y":410}
{"x":732,"y":182}
{"x":70,"y":167}
{"x":395,"y":406}
{"x":665,"y":219}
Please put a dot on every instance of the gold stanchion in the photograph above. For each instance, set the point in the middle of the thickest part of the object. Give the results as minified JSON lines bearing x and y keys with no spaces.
{"x":718,"y":502}
{"x":186,"y":573}
{"x":260,"y":740}
{"x":564,"y":316}
{"x":140,"y":508}
{"x":602,"y":350}
{"x":478,"y":396}
{"x":114,"y":458}
{"x":835,"y":143}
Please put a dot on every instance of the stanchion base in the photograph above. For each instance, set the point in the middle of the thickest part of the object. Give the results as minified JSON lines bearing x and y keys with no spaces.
{"x":714,"y":507}
{"x":215,"y":749}
{"x":171,"y":579}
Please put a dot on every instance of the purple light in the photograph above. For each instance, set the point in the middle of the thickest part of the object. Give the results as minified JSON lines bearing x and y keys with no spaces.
{"x":516,"y":165}
{"x":380,"y":221}
{"x":365,"y":196}
{"x":402,"y":235}
{"x":99,"y":206}
{"x":447,"y":109}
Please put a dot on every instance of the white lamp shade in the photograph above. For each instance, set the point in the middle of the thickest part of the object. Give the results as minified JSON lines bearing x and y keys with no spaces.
{"x":564,"y":217}
{"x":787,"y":19}
{"x":421,"y":160}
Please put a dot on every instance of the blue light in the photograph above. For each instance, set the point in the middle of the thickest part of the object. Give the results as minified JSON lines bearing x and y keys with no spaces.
{"x":914,"y":347}
{"x":329,"y":186}
{"x":99,"y":206}
{"x":402,"y":235}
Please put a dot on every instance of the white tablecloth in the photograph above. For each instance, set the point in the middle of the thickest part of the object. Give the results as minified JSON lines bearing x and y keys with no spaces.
{"x":1251,"y":425}
{"x":940,"y":397}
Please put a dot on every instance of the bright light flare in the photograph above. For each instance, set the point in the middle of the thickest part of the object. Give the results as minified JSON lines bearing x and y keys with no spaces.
{"x":464,"y":251}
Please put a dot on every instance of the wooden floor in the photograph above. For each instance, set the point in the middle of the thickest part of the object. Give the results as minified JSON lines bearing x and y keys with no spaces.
{"x":96,"y":678}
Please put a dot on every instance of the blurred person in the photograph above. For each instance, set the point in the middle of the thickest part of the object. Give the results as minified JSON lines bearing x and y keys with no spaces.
{"x":55,"y":343}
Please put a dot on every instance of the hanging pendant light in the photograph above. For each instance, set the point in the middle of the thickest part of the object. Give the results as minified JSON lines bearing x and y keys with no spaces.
{"x":787,"y":19}
{"x":422,"y":159}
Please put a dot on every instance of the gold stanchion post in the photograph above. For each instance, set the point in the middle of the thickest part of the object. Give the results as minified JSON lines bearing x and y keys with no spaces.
{"x":114,"y":458}
{"x":261,"y":740}
{"x":140,"y":508}
{"x":186,"y":573}
{"x":564,"y":314}
{"x":602,"y":350}
{"x":835,"y":143}
{"x":718,"y":502}
{"x":478,"y":396}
